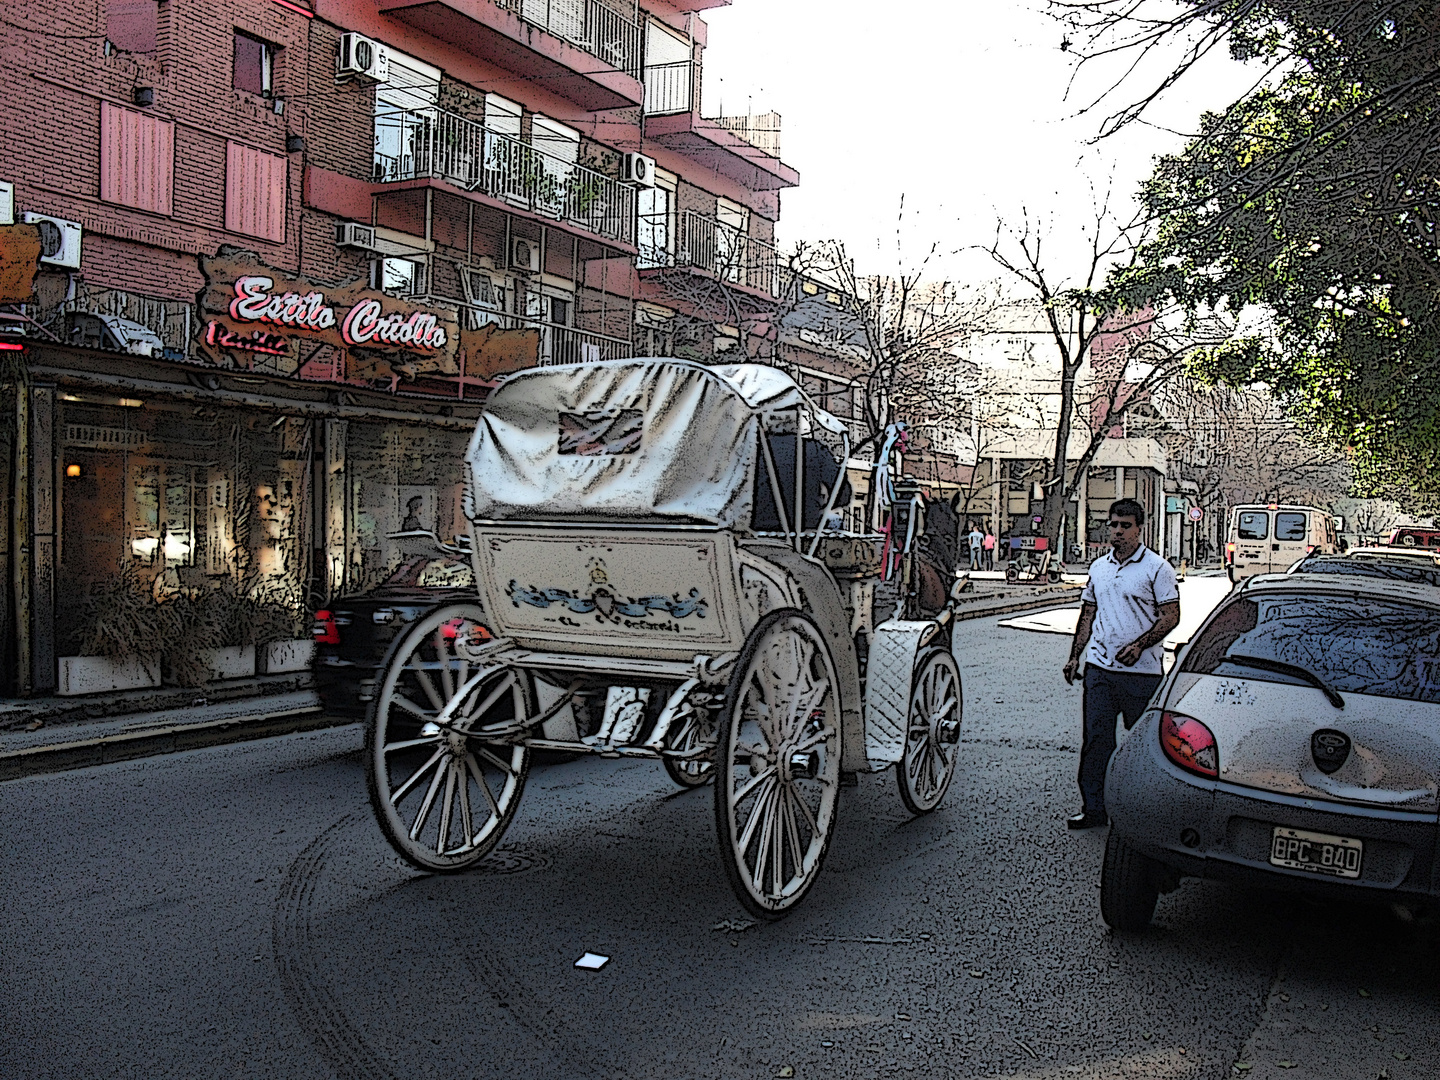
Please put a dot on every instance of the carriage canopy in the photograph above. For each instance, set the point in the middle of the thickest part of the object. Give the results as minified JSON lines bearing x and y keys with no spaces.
{"x":642,"y":441}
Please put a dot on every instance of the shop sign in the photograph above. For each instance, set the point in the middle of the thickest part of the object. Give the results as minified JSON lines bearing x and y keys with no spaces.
{"x":248,"y":307}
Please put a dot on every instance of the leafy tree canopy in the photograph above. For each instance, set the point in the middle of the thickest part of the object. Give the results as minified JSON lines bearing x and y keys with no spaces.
{"x":1315,"y":196}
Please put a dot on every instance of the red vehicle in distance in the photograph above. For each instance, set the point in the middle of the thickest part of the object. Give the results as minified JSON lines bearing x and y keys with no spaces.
{"x":1412,"y":538}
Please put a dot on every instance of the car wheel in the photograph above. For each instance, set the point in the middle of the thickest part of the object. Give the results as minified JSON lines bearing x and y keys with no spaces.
{"x":1129,"y":886}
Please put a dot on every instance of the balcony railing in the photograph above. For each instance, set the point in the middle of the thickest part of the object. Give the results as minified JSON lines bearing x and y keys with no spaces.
{"x":440,"y":145}
{"x":669,"y":88}
{"x":598,"y":28}
{"x":724,"y":251}
{"x":555,"y":344}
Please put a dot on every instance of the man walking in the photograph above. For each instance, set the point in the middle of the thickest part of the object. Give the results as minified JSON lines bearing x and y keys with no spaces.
{"x":1129,"y":604}
{"x":976,"y":537}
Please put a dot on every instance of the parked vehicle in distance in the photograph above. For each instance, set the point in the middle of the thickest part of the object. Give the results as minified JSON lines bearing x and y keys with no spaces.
{"x":1295,"y":745}
{"x":1413,"y":538}
{"x":354,"y":634}
{"x":1268,"y":539}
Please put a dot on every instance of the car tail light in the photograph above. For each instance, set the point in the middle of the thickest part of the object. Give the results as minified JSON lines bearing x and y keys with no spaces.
{"x":1309,"y":549}
{"x":325,"y":631}
{"x":1190,"y":744}
{"x":1230,"y":553}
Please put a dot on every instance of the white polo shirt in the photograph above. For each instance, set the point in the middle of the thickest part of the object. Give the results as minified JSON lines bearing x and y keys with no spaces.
{"x":1127,"y":598}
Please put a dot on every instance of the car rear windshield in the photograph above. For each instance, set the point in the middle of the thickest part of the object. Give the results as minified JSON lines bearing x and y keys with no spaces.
{"x":1355,"y":645}
{"x":1254,"y":525}
{"x":1289,"y":526}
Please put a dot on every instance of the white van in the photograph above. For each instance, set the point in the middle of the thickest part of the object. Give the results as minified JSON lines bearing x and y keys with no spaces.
{"x":1268,"y":539}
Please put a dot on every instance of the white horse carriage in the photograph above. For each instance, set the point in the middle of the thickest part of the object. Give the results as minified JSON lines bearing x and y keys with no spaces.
{"x":655,"y":580}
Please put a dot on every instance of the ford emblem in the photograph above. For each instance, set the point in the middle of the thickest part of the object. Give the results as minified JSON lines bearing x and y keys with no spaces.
{"x":1329,"y":748}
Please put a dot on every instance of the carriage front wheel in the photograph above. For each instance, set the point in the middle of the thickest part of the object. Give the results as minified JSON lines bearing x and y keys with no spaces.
{"x":444,"y":795}
{"x":932,"y":739}
{"x":778,"y":766}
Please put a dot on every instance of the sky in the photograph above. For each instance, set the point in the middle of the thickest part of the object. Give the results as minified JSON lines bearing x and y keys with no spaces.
{"x":958,"y":105}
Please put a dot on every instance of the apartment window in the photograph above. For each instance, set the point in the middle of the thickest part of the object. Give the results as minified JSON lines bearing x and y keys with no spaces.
{"x":137,"y":159}
{"x":255,"y":192}
{"x":502,"y":115}
{"x":399,"y":277}
{"x":653,"y":234}
{"x":254,"y":65}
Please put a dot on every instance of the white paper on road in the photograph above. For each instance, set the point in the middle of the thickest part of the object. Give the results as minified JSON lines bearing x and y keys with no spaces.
{"x":592,"y":961}
{"x":1198,"y":597}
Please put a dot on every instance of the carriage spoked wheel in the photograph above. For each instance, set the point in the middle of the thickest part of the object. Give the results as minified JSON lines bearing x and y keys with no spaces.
{"x":444,"y":796}
{"x":693,"y":730}
{"x":932,"y":739}
{"x":778,"y":771}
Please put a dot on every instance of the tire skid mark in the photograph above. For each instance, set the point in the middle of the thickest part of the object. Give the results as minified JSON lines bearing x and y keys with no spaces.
{"x":321,"y":1015}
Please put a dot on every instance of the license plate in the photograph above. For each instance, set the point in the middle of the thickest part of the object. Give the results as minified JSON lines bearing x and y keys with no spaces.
{"x":1318,"y":853}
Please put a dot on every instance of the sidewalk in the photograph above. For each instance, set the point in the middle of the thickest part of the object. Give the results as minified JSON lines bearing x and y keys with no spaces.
{"x":77,"y":744}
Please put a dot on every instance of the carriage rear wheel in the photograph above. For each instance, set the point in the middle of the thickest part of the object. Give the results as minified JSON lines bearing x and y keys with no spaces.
{"x":693,"y":730}
{"x":778,"y":770}
{"x":442,"y":794}
{"x":932,"y":742}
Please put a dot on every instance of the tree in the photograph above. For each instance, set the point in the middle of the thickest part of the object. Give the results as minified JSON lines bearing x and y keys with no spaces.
{"x":1311,"y":198}
{"x":1078,"y":312}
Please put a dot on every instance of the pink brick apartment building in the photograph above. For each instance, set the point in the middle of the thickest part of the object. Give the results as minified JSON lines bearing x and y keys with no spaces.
{"x":287,"y":245}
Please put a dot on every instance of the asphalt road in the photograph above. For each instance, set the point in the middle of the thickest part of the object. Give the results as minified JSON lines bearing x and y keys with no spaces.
{"x":235,"y":912}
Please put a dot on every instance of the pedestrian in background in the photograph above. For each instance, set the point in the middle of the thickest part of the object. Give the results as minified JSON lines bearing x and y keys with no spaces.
{"x":1129,"y":604}
{"x":976,"y":539}
{"x":989,"y":545}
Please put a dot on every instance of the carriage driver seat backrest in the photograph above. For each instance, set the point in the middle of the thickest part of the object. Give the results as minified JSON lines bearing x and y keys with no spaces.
{"x":821,"y":473}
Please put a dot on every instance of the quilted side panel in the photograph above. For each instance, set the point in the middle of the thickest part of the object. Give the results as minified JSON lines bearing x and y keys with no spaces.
{"x":887,"y":689}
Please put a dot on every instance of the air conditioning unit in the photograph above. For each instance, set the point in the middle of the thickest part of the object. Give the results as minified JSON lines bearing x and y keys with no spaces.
{"x":352,"y":234}
{"x":362,"y":56}
{"x":639,"y":169}
{"x":525,"y":255}
{"x":59,"y":239}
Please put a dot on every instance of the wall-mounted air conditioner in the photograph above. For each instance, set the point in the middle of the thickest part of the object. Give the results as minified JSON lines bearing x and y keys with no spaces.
{"x":364,"y":57}
{"x":525,"y":255}
{"x":59,"y":239}
{"x":7,"y":203}
{"x":352,"y":234}
{"x":639,"y":169}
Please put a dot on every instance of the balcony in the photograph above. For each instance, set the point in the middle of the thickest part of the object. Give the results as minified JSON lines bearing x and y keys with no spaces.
{"x":721,"y":252}
{"x":714,"y":146}
{"x":669,"y":88}
{"x":437,"y":145}
{"x":555,"y":43}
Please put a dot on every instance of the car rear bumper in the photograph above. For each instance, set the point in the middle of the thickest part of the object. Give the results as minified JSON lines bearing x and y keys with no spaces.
{"x":1220,"y":831}
{"x":344,"y":688}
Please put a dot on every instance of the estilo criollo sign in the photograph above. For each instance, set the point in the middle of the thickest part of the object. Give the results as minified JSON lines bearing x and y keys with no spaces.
{"x":254,"y":315}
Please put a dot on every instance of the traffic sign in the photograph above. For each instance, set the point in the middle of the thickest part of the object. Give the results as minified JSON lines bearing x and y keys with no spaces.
{"x":1196,"y":513}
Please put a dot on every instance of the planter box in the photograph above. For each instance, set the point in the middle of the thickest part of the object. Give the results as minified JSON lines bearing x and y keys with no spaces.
{"x":282,"y":656}
{"x":231,"y":662}
{"x":101,"y":674}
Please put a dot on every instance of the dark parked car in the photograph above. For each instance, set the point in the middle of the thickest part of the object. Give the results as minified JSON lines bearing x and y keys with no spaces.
{"x":1294,"y":745}
{"x":1394,"y":564}
{"x":353,"y":635}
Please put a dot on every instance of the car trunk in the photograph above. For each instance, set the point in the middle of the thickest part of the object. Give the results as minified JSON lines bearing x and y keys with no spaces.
{"x":1265,"y":734}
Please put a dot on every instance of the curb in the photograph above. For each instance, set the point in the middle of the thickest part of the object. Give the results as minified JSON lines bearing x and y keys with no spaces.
{"x":1018,"y":605}
{"x":150,"y":742}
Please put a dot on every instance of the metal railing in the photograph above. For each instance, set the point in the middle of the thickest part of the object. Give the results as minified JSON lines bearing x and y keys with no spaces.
{"x":669,"y":88}
{"x":554,"y":344}
{"x":598,"y":28}
{"x":724,"y":251}
{"x":444,"y":146}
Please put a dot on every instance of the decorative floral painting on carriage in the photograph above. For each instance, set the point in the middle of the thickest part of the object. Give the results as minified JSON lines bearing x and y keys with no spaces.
{"x":600,"y":601}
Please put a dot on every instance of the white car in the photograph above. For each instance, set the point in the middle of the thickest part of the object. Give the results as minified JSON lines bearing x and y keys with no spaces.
{"x":1295,"y":744}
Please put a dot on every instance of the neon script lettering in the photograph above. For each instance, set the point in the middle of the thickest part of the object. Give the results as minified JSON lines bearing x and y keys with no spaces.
{"x":254,"y":303}
{"x":365,"y":324}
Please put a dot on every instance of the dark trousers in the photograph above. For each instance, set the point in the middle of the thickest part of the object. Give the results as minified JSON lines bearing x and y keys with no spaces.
{"x":1108,"y":694}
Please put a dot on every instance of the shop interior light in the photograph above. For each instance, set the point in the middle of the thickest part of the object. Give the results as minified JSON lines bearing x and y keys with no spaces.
{"x":72,"y":470}
{"x":131,"y":403}
{"x":145,"y":546}
{"x":70,"y":397}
